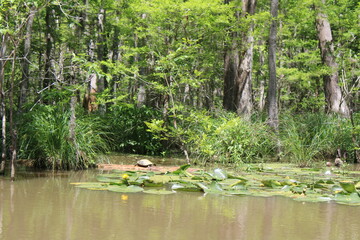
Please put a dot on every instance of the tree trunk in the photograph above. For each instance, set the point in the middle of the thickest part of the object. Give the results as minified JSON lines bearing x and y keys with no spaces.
{"x":3,"y":112}
{"x":89,"y":101}
{"x":238,"y":67}
{"x":335,"y":101}
{"x":49,"y":31}
{"x":72,"y":127}
{"x":272,"y":90}
{"x":244,"y":104}
{"x":231,"y":63}
{"x":24,"y":84}
{"x":11,"y":115}
{"x":101,"y":53}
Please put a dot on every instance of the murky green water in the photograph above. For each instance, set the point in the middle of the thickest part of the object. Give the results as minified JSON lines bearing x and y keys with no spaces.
{"x":46,"y":206}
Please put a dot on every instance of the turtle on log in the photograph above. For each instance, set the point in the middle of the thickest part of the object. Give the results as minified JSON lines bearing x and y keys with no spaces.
{"x":144,"y":163}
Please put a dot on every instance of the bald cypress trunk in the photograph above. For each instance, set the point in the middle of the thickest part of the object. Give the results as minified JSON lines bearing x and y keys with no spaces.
{"x":272,"y":90}
{"x":24,"y":84}
{"x":238,"y":63}
{"x":335,"y":101}
{"x":244,"y":103}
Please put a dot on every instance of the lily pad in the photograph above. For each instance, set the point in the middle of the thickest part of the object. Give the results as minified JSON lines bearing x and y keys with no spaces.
{"x":186,"y":187}
{"x":349,"y":199}
{"x":159,"y":191}
{"x":348,"y":186}
{"x":125,"y":189}
{"x":91,"y":185}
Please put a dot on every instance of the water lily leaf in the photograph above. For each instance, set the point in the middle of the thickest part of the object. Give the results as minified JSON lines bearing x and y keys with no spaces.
{"x":271,"y":183}
{"x":219,"y":174}
{"x":337,"y":189}
{"x":348,"y":186}
{"x":91,"y":185}
{"x":159,"y":191}
{"x":236,"y":177}
{"x":239,"y":182}
{"x":102,"y":178}
{"x":349,"y":199}
{"x":125,"y":189}
{"x":214,"y":187}
{"x":181,"y":169}
{"x":298,"y":190}
{"x":286,"y":188}
{"x":186,"y":187}
{"x":329,"y":181}
{"x":151,"y":183}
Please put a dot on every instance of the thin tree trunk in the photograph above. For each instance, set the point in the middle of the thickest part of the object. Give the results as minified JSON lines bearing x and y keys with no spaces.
{"x":3,"y":109}
{"x":49,"y":31}
{"x":11,"y":117}
{"x":101,"y":53}
{"x":24,"y":84}
{"x":272,"y":90}
{"x":354,"y":138}
{"x":72,"y":127}
{"x":335,"y":101}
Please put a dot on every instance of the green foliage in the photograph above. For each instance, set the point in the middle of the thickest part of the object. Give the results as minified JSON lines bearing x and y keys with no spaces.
{"x":225,"y":138}
{"x":129,"y":131}
{"x":44,"y":136}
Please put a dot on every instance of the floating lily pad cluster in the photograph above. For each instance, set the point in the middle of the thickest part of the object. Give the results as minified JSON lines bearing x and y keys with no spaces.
{"x":308,"y":185}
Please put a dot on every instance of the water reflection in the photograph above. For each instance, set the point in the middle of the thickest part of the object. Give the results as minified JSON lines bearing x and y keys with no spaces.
{"x":48,"y":207}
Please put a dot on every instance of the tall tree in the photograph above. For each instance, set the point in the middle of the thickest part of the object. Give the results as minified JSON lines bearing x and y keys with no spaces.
{"x":24,"y":84}
{"x":335,"y":101}
{"x":2,"y":107}
{"x":238,"y":64}
{"x":272,"y":90}
{"x":50,"y":44}
{"x":244,"y":104}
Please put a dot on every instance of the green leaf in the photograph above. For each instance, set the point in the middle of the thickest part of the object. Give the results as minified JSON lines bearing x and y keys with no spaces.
{"x":125,"y":189}
{"x":348,"y":186}
{"x":159,"y":191}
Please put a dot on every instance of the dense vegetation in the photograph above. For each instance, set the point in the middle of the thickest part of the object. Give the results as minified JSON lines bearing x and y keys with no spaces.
{"x":218,"y":81}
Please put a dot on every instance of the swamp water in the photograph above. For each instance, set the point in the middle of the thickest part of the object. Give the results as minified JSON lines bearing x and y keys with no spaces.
{"x":46,"y":206}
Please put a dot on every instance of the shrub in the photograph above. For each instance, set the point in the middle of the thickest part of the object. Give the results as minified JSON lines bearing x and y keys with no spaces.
{"x":129,"y":131}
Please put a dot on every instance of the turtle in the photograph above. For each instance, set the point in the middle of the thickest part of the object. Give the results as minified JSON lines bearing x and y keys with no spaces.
{"x":144,"y":163}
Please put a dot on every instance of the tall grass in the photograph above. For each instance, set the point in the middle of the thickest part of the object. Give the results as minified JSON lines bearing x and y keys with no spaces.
{"x":44,"y":137}
{"x":308,"y":138}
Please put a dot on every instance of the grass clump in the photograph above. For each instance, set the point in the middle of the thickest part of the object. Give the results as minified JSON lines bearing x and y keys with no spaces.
{"x":310,"y":138}
{"x":45,"y":137}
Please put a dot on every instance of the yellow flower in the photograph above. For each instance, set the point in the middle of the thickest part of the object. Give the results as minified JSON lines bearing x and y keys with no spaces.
{"x":125,"y":176}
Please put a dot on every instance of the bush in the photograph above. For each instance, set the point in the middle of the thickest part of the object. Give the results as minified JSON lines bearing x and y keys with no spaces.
{"x":129,"y":131}
{"x":224,"y":138}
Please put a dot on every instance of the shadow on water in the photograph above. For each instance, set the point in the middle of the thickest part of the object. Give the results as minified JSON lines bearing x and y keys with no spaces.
{"x":44,"y":205}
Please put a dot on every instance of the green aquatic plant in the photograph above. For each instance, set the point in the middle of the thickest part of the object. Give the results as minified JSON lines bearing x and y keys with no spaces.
{"x":300,"y":184}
